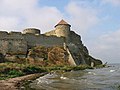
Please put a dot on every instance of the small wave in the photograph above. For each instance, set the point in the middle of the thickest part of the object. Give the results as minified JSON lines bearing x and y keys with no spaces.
{"x":112,"y":70}
{"x":63,"y":77}
{"x":92,"y":73}
{"x":45,"y":78}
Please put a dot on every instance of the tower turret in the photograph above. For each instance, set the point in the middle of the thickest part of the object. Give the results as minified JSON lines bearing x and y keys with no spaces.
{"x":62,"y":29}
{"x":31,"y":31}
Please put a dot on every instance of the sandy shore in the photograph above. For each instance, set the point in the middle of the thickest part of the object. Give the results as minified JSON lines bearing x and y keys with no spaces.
{"x":14,"y":83}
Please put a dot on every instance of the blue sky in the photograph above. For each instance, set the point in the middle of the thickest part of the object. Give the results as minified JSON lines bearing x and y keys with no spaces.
{"x":97,"y":21}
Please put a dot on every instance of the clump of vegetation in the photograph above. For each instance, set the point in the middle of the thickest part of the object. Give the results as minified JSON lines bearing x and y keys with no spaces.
{"x":10,"y":70}
{"x":15,"y":73}
{"x":82,"y":67}
{"x":67,"y":68}
{"x":100,"y":66}
{"x":33,"y":69}
{"x":39,"y":51}
{"x":119,"y":87}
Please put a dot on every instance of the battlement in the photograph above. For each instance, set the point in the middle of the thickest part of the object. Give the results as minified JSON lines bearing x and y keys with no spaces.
{"x":15,"y":33}
{"x":3,"y":33}
{"x":33,"y":37}
{"x":31,"y":31}
{"x":18,"y":43}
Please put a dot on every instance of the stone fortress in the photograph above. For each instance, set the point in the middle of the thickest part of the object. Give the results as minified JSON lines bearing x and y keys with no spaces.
{"x":18,"y":43}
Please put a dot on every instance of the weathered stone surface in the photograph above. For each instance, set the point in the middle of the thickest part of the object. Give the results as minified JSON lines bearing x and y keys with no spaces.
{"x":2,"y":59}
{"x":58,"y":56}
{"x":37,"y":54}
{"x":46,"y":56}
{"x":89,"y":60}
{"x":15,"y":58}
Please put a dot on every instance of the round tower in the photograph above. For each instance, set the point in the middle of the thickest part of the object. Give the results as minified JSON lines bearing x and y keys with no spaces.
{"x":32,"y":31}
{"x":62,"y":29}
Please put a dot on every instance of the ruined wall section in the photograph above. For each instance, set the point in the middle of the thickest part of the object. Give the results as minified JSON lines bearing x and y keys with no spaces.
{"x":16,"y":42}
{"x":30,"y":39}
{"x":50,"y":33}
{"x":43,"y":40}
{"x":49,"y":41}
{"x":3,"y":33}
{"x":12,"y":43}
{"x":60,"y":31}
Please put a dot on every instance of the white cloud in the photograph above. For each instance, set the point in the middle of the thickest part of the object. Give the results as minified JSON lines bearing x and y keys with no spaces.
{"x":8,"y":22}
{"x":27,"y":13}
{"x":82,"y":17}
{"x":113,"y":2}
{"x":19,"y":14}
{"x":45,"y":17}
{"x":107,"y":47}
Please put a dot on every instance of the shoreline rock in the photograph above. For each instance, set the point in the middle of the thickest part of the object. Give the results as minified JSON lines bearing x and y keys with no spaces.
{"x":14,"y":83}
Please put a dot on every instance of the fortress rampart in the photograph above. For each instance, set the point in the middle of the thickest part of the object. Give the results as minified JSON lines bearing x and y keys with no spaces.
{"x":18,"y":43}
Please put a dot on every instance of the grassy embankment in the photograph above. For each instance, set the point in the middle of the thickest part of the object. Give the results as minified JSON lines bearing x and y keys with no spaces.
{"x":55,"y":58}
{"x":11,"y":70}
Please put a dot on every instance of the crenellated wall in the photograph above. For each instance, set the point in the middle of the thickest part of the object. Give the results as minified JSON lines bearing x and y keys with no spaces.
{"x":3,"y":33}
{"x":61,"y":31}
{"x":18,"y":43}
{"x":50,"y":33}
{"x":13,"y":46}
{"x":43,"y":40}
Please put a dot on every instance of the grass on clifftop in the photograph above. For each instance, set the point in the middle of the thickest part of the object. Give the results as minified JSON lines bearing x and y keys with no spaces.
{"x":11,"y":70}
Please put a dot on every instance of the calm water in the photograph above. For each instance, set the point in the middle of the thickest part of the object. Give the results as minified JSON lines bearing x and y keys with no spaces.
{"x":97,"y":79}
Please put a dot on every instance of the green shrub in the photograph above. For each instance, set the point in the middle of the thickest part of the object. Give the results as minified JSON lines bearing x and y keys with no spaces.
{"x":15,"y":73}
{"x":100,"y":66}
{"x":33,"y":69}
{"x":66,"y":68}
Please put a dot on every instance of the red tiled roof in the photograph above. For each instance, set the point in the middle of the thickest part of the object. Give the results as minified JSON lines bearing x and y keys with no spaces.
{"x":62,"y":22}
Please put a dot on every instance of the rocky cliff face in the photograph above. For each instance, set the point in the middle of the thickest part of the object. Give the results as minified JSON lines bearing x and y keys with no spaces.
{"x":2,"y":59}
{"x":80,"y":52}
{"x":54,"y":56}
{"x":48,"y":56}
{"x":58,"y":56}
